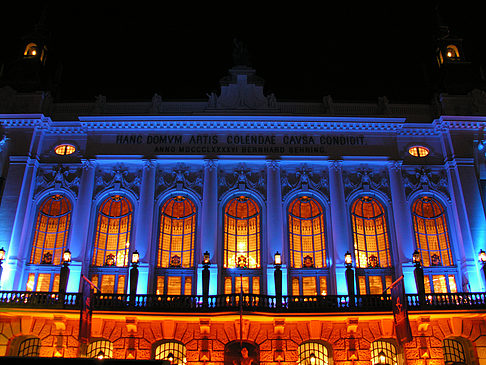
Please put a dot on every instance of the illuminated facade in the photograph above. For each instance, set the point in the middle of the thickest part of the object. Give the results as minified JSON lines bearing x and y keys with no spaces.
{"x":220,"y":189}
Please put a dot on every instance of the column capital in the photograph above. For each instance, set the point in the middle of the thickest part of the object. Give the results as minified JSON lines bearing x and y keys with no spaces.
{"x":336,"y":165}
{"x":148,"y":163}
{"x":273,"y":164}
{"x":395,"y":165}
{"x":210,"y":163}
{"x":88,"y":163}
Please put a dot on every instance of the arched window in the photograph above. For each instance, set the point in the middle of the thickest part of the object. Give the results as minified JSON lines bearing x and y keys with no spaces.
{"x":173,"y":351}
{"x":113,"y":229}
{"x":102,"y":349}
{"x":51,"y":230}
{"x":242,"y":233}
{"x":371,"y":245}
{"x":313,"y":353}
{"x":175,"y":259}
{"x":431,"y":232}
{"x":177,"y":233}
{"x":242,"y":237}
{"x":29,"y":347}
{"x":453,"y":352}
{"x":307,"y":246}
{"x":383,"y":352}
{"x":433,"y":243}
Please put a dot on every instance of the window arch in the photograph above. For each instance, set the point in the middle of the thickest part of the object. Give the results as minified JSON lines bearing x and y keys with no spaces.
{"x":431,"y":232}
{"x":371,"y":242}
{"x":177,"y":232}
{"x":113,"y":230}
{"x":173,"y":351}
{"x":51,"y":230}
{"x":242,"y":233}
{"x":100,"y":349}
{"x":383,"y":352}
{"x":29,"y":347}
{"x":313,"y":353}
{"x":370,"y":233}
{"x":454,"y":352}
{"x":306,"y":233}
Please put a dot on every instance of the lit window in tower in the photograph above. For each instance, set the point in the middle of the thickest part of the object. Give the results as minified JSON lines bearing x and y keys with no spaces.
{"x":113,"y":229}
{"x":51,"y":230}
{"x":242,"y":233}
{"x":177,"y":233}
{"x":370,"y":233}
{"x":431,"y":232}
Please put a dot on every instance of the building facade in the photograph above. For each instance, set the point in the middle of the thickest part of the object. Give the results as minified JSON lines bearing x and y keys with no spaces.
{"x":240,"y":210}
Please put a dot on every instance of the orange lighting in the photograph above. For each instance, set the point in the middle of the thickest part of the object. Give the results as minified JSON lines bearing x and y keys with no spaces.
{"x":418,"y":151}
{"x":64,"y":149}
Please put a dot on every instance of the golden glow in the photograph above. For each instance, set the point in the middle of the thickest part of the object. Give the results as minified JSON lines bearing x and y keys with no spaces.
{"x":452,"y":51}
{"x":418,"y":151}
{"x":431,"y":232}
{"x":306,"y":233}
{"x":64,"y":149}
{"x":242,"y":233}
{"x":51,"y":229}
{"x":177,"y":232}
{"x":370,"y":233}
{"x":113,"y":230}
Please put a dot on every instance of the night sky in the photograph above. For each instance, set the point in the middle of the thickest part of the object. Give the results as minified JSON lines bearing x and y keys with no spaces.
{"x":351,"y":52}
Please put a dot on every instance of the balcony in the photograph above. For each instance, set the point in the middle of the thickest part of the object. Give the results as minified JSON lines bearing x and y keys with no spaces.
{"x":237,"y":302}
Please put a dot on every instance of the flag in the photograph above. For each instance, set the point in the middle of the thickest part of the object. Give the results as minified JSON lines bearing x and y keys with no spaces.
{"x":400,"y":312}
{"x":86,"y":311}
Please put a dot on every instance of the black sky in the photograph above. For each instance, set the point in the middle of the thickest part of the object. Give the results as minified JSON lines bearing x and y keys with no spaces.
{"x":348,"y":51}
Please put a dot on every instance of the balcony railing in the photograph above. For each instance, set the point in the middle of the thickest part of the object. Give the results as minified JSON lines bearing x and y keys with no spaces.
{"x":237,"y":302}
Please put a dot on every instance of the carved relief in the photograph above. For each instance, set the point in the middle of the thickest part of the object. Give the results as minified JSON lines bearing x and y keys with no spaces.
{"x":57,"y":177}
{"x":118,"y":177}
{"x":304,"y":178}
{"x":242,"y":178}
{"x":179,"y":177}
{"x":426,"y":179}
{"x":366,"y":179}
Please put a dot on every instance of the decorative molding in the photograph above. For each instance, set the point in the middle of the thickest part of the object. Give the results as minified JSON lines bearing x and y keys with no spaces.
{"x":426,"y":179}
{"x":118,"y":177}
{"x":57,"y":177}
{"x":179,"y":177}
{"x":366,"y":179}
{"x":242,"y":178}
{"x":304,"y":178}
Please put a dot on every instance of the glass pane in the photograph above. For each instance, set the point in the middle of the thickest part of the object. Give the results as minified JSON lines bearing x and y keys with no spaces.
{"x":256,"y":285}
{"x":108,"y":284}
{"x":323,"y":285}
{"x":43,"y":282}
{"x":362,"y":285}
{"x":309,"y":285}
{"x":246,"y":284}
{"x":121,"y":284}
{"x":452,"y":284}
{"x":376,"y":285}
{"x":188,"y":285}
{"x":228,"y":285}
{"x":440,"y":285}
{"x":160,"y":285}
{"x":174,"y":285}
{"x":295,"y":286}
{"x":30,"y":282}
{"x":428,"y":289}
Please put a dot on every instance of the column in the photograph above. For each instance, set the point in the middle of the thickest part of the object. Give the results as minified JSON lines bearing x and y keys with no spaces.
{"x":469,"y":221}
{"x":209,"y":227}
{"x":17,"y":201}
{"x":341,"y":241}
{"x":402,"y":221}
{"x":275,"y":226}
{"x":144,"y":226}
{"x":80,"y":225}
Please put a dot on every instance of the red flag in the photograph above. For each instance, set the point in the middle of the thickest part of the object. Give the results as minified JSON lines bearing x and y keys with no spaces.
{"x":400,"y":312}
{"x":86,"y":311}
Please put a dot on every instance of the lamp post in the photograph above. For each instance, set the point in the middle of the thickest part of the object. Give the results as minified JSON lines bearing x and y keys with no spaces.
{"x":64,"y":275}
{"x":482,"y":258}
{"x":278,"y":278}
{"x":418,"y":273}
{"x":348,"y":261}
{"x":134,"y":276}
{"x":205,"y":278}
{"x":2,"y":257}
